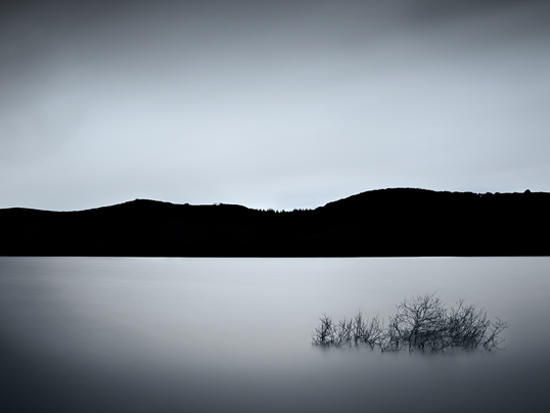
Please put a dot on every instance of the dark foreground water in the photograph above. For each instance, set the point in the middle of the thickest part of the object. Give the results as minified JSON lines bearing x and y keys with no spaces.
{"x":234,"y":335}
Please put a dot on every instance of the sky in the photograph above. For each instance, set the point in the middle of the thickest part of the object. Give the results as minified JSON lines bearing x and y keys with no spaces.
{"x":270,"y":104}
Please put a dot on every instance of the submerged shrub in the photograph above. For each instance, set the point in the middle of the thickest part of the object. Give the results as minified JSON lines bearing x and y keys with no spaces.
{"x":325,"y":334}
{"x":420,"y":323}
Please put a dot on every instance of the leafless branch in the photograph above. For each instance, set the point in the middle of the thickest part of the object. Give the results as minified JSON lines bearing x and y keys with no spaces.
{"x":421,"y":323}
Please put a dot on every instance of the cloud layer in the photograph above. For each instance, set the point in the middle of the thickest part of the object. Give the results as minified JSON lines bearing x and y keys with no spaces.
{"x":283,"y":105}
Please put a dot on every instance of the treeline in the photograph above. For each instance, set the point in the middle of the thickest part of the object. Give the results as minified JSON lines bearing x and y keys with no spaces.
{"x":391,"y":222}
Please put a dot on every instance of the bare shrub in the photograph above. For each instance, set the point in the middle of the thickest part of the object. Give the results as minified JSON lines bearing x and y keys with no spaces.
{"x":325,"y":334}
{"x":420,"y":323}
{"x":360,"y":329}
{"x":367,"y":333}
{"x":466,"y":326}
{"x":375,"y":334}
{"x":344,"y":331}
{"x":492,"y":337}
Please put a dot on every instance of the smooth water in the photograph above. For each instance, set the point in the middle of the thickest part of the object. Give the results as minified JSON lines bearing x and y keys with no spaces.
{"x":234,"y":335}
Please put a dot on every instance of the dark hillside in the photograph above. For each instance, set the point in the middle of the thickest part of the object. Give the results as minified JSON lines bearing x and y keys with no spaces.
{"x":391,"y":222}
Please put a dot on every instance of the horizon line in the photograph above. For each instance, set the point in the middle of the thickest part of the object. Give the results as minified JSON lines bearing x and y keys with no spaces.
{"x":526,"y":191}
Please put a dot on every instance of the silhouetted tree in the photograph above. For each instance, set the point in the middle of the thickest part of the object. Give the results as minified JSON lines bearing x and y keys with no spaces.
{"x":421,"y":323}
{"x":325,"y":334}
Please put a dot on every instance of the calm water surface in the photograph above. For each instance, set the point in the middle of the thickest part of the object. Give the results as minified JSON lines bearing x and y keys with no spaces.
{"x":234,"y":335}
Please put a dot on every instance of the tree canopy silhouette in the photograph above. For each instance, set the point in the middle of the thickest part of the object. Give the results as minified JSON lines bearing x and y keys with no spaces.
{"x":390,"y":222}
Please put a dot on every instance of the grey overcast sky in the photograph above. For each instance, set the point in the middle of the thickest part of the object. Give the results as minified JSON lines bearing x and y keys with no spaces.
{"x":270,"y":104}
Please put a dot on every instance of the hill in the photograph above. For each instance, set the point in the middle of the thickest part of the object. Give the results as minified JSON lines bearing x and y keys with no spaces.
{"x":388,"y":222}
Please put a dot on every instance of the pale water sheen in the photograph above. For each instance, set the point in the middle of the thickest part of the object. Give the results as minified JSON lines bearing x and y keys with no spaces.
{"x":234,"y":335}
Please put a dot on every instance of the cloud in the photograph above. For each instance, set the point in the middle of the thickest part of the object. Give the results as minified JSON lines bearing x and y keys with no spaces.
{"x":206,"y":100}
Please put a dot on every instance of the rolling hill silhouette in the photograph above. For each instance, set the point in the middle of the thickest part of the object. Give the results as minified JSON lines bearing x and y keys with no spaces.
{"x":387,"y":222}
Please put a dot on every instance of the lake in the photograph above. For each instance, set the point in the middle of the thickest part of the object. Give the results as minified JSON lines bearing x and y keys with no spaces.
{"x":234,"y":335}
